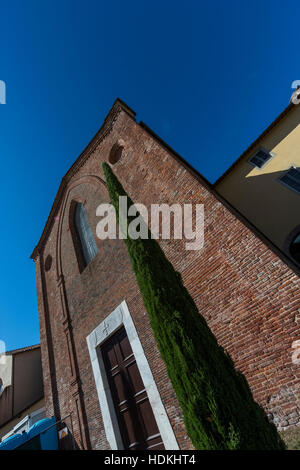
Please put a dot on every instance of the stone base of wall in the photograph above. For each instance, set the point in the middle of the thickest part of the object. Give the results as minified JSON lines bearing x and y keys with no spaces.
{"x":291,"y":438}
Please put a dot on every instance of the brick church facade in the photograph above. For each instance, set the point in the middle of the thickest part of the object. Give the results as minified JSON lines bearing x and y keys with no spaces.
{"x":247,"y":290}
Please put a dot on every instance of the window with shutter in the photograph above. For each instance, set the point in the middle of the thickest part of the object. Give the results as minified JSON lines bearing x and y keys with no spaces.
{"x":260,"y":158}
{"x":85,"y":235}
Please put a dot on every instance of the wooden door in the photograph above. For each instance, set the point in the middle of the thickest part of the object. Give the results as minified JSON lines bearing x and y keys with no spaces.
{"x":137,"y":424}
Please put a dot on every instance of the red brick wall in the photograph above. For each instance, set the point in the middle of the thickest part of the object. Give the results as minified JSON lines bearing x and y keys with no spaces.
{"x":249,"y":297}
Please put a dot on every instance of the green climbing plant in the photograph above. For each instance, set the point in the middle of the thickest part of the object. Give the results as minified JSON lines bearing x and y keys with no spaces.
{"x":217,"y":404}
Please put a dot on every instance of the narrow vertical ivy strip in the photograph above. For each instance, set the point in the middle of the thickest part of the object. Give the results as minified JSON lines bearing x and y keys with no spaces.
{"x":218,"y":408}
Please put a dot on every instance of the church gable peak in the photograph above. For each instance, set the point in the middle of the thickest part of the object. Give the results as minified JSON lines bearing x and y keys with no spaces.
{"x":106,"y":128}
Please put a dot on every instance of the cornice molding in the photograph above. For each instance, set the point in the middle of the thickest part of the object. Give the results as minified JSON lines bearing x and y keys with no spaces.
{"x":103,"y":132}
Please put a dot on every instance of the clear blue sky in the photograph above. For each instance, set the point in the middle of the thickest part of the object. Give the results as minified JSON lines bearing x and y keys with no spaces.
{"x":208,"y":77}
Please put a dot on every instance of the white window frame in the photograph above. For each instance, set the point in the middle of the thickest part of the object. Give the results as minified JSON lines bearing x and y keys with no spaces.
{"x":272,"y":155}
{"x":118,"y":318}
{"x":295,"y":167}
{"x":25,"y":423}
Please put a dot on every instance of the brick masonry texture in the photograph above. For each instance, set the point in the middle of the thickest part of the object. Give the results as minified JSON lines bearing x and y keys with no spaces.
{"x":248,"y":295}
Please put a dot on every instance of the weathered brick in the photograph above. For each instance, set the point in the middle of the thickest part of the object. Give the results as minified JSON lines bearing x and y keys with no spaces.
{"x":248,"y":295}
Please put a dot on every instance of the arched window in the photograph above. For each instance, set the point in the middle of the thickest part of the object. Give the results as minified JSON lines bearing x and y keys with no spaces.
{"x":85,"y":235}
{"x":116,"y":152}
{"x":295,"y":248}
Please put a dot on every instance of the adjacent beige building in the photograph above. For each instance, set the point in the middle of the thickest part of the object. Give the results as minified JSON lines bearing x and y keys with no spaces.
{"x":264,"y":183}
{"x":21,"y":390}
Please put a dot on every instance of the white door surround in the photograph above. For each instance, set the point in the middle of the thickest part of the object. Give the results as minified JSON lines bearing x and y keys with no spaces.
{"x":121,"y":317}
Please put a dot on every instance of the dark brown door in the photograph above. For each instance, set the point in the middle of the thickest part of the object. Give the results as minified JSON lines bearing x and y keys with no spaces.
{"x":135,"y":416}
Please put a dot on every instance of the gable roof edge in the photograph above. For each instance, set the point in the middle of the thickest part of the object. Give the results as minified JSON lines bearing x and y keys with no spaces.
{"x":21,"y":350}
{"x":256,"y":141}
{"x":103,"y":132}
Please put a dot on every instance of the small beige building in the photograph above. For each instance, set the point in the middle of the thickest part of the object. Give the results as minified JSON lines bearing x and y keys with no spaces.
{"x":21,"y":390}
{"x":263,"y":184}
